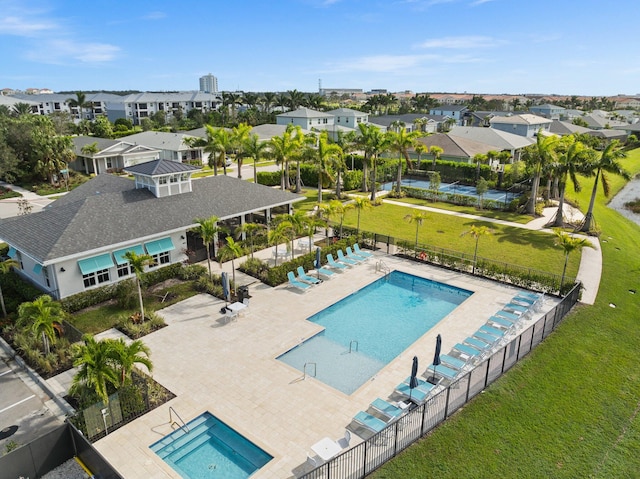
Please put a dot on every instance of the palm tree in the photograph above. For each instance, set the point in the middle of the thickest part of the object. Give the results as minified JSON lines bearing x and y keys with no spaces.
{"x":320,"y":156}
{"x":256,"y":149}
{"x":5,"y":267}
{"x":94,"y":360}
{"x":22,"y":108}
{"x":137,"y":263}
{"x":249,"y":229}
{"x":420,"y":150}
{"x":268,"y":100}
{"x":570,"y":162}
{"x":309,"y":227}
{"x":222,"y":143}
{"x":361,"y":203}
{"x":230,"y":100}
{"x":89,"y":150}
{"x":294,"y":99}
{"x":208,"y":229}
{"x":231,"y":251}
{"x":400,"y":142}
{"x":418,"y":218}
{"x":80,"y":102}
{"x":297,"y":220}
{"x":537,"y":157}
{"x":569,"y":244}
{"x":282,"y":148}
{"x":42,"y":316}
{"x":278,"y":235}
{"x":125,"y":356}
{"x":378,"y":143}
{"x":239,"y":138}
{"x":435,"y":151}
{"x":477,"y":232}
{"x":365,"y":142}
{"x":339,"y":209}
{"x":608,"y":162}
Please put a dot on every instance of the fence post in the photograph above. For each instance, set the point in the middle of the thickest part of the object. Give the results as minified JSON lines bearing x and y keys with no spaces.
{"x":364,"y":459}
{"x":446,"y":405}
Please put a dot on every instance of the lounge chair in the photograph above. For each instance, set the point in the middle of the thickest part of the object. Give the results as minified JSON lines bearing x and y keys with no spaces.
{"x":369,"y":422}
{"x":534,"y":296}
{"x":518,"y":308}
{"x":486,"y":328}
{"x":502,"y":322}
{"x":295,"y":283}
{"x":444,"y":371}
{"x":468,"y":351}
{"x":306,"y":278}
{"x":478,"y":343}
{"x":455,"y":363}
{"x":334,"y":264}
{"x":425,"y":386}
{"x":525,"y":301}
{"x":325,"y":272}
{"x":415,"y":395}
{"x":359,"y":252}
{"x":486,"y":337}
{"x":508,"y":315}
{"x":343,"y":259}
{"x":391,"y":411}
{"x":354,"y":256}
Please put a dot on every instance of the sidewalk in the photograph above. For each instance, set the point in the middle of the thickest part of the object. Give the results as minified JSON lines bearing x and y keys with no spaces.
{"x":9,"y":207}
{"x":590,"y":270}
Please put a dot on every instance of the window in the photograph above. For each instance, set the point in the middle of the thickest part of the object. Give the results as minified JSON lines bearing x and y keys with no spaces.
{"x":338,"y":119}
{"x":160,"y":259}
{"x":174,"y":178}
{"x":18,"y":258}
{"x":185,"y":176}
{"x":109,"y":163}
{"x":142,"y":106}
{"x":45,"y":274}
{"x":124,"y":270}
{"x":325,"y":121}
{"x":98,"y":277}
{"x":162,"y":180}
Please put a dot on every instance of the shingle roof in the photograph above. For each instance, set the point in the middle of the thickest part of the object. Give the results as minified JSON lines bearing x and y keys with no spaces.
{"x":268,"y":130}
{"x":160,"y":167}
{"x":456,"y":146}
{"x":305,"y":113}
{"x":524,"y":119}
{"x":107,"y":147}
{"x":566,"y":128}
{"x":161,"y":140}
{"x":501,"y":140}
{"x":107,"y":211}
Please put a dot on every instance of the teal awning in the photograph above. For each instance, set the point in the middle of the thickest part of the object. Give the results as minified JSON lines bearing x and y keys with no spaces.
{"x":159,"y":246}
{"x":119,"y":255}
{"x":96,"y":263}
{"x":12,"y":252}
{"x":37,"y":269}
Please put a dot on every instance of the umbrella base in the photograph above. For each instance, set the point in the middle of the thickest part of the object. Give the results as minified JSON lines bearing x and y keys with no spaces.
{"x":433,"y":380}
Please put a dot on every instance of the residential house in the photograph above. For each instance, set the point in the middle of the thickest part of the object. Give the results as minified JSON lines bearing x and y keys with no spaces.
{"x":138,"y":106}
{"x":412,"y":122}
{"x":172,"y":146}
{"x":456,"y":112}
{"x":79,"y":242}
{"x":524,"y":125}
{"x":348,"y":117}
{"x":455,"y":148}
{"x":500,"y":140}
{"x":111,"y":155}
{"x":547,"y":110}
{"x":58,"y":103}
{"x":307,"y":118}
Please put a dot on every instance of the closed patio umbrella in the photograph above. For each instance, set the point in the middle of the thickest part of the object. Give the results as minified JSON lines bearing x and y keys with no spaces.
{"x":413,"y":380}
{"x":225,"y":287}
{"x":436,"y":356}
{"x":318,"y":263}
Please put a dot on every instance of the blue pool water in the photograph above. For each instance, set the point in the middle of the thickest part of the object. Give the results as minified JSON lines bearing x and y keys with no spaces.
{"x":210,"y":450}
{"x":368,"y":329}
{"x":456,"y":189}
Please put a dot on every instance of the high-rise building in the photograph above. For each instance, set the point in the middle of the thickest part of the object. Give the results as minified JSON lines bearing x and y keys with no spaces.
{"x":209,"y":84}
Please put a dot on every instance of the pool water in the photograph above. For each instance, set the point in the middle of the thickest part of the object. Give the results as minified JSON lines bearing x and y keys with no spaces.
{"x":496,"y":195}
{"x":368,"y":329}
{"x":210,"y":449}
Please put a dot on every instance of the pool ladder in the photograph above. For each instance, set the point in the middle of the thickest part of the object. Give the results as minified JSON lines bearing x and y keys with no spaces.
{"x":172,"y":421}
{"x":305,"y":370}
{"x":381,"y":266}
{"x":351,"y":343}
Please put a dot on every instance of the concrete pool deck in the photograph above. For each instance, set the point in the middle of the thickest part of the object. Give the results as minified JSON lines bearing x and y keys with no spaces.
{"x":230,"y":370}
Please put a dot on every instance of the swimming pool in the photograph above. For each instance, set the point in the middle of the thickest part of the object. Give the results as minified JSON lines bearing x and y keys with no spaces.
{"x":368,"y":329}
{"x":456,"y":189}
{"x":210,"y":449}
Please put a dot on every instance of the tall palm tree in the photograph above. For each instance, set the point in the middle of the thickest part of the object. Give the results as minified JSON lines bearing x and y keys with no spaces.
{"x":231,"y":100}
{"x":281,"y":149}
{"x":232,"y":251}
{"x":239,"y":137}
{"x":96,"y":371}
{"x":80,"y":102}
{"x":222,"y":142}
{"x":569,"y":244}
{"x":295,"y":99}
{"x":251,"y":230}
{"x":42,"y":316}
{"x":309,"y":228}
{"x":361,"y":203}
{"x":571,"y":161}
{"x":417,"y":217}
{"x":297,"y":220}
{"x":339,"y":209}
{"x":5,"y":267}
{"x":138,"y":263}
{"x":268,"y":100}
{"x":607,"y":162}
{"x":256,"y":149}
{"x":22,"y":108}
{"x":320,"y":157}
{"x":279,"y":234}
{"x":208,"y":229}
{"x":400,"y":142}
{"x":435,"y":151}
{"x":537,"y":157}
{"x":477,"y":231}
{"x":378,"y":142}
{"x":364,"y":142}
{"x":125,"y":356}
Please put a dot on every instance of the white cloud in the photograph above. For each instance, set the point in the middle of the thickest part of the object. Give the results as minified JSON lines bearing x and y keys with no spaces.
{"x":15,"y":25}
{"x":479,"y":2}
{"x":155,"y":16}
{"x":65,"y":51}
{"x":460,"y":42}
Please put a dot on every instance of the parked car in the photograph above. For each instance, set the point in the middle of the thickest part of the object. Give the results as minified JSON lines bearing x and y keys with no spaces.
{"x":228,"y":161}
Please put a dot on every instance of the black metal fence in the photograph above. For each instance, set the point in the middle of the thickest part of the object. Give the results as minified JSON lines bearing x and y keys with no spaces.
{"x":512,"y":274}
{"x":369,"y":455}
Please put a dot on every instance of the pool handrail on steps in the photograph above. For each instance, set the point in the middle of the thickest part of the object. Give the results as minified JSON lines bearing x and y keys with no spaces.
{"x":184,"y":426}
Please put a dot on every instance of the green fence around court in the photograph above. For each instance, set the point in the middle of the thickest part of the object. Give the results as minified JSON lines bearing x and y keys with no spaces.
{"x":369,"y":455}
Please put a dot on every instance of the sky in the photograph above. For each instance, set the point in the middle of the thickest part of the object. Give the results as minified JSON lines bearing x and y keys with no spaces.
{"x":565,"y":47}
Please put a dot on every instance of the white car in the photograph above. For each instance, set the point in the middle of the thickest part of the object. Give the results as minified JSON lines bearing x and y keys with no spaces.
{"x":228,"y":161}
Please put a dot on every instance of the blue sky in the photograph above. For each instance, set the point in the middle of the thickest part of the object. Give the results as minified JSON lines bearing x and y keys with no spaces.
{"x":585,"y":47}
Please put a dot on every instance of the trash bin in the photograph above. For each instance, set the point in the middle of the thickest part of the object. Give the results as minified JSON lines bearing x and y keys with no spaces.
{"x":243,"y":293}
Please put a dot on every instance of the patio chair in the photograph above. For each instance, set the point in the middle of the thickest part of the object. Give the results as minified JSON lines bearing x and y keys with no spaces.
{"x":343,"y":442}
{"x":359,"y":252}
{"x":478,"y":343}
{"x":354,"y":256}
{"x":508,"y":315}
{"x":443,"y":371}
{"x":295,"y":283}
{"x":524,"y":300}
{"x":486,"y":337}
{"x":455,"y":363}
{"x":343,"y":259}
{"x":502,"y":322}
{"x":325,"y":272}
{"x":391,"y":411}
{"x":498,"y":333}
{"x":369,"y":422}
{"x":518,"y":308}
{"x":334,"y":264}
{"x":415,"y":395}
{"x":469,"y":351}
{"x":306,"y":278}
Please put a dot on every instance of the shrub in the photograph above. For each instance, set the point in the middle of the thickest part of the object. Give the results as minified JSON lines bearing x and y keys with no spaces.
{"x":352,"y":180}
{"x":84,"y":299}
{"x":159,"y":275}
{"x":127,"y":294}
{"x":269,"y":178}
{"x":192,"y":272}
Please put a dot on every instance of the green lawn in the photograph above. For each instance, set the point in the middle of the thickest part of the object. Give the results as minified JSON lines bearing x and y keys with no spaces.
{"x":509,"y":244}
{"x":568,"y":410}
